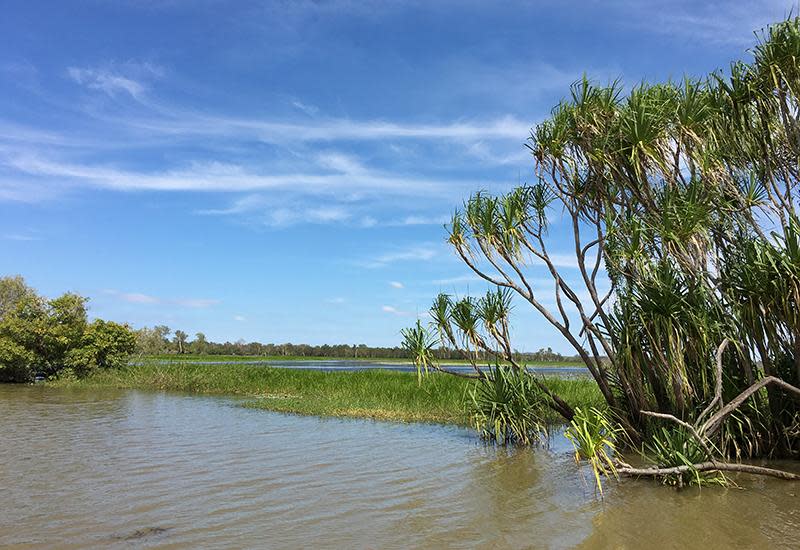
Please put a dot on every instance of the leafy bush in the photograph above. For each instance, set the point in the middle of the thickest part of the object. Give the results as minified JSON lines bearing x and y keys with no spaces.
{"x":41,"y":336}
{"x":15,"y":361}
{"x":104,"y":344}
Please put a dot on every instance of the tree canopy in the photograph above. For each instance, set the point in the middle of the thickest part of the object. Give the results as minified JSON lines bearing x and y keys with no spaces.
{"x":40,"y":336}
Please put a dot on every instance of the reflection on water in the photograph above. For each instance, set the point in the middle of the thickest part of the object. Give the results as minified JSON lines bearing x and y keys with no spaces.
{"x":134,"y":469}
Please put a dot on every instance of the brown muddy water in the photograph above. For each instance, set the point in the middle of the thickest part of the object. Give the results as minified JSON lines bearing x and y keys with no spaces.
{"x":129,"y":469}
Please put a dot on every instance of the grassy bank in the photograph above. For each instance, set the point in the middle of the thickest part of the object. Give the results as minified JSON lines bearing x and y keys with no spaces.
{"x":193,"y":358}
{"x":366,"y":394}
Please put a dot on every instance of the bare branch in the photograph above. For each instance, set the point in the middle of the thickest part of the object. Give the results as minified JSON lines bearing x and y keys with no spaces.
{"x":708,"y":467}
{"x":703,"y":442}
{"x":714,"y":423}
{"x":718,"y":380}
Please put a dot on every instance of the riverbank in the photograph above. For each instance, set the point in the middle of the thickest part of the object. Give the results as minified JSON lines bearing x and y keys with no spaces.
{"x":377,"y":394}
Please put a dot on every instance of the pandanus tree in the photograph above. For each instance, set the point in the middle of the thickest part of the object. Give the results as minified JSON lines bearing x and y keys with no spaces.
{"x":680,"y":207}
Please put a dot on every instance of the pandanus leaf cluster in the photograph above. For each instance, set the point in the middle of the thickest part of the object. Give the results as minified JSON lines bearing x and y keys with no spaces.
{"x":679,"y":203}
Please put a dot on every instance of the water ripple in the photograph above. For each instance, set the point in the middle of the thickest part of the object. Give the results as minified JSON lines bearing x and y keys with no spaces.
{"x":129,"y":469}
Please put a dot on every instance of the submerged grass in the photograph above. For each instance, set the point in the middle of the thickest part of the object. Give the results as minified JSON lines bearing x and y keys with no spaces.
{"x":378,"y":394}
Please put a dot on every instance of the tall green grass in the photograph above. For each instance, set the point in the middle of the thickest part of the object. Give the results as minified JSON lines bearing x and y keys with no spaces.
{"x":376,"y":393}
{"x":189,"y":358}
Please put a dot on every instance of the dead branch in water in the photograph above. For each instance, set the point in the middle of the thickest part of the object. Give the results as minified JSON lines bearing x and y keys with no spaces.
{"x":707,"y":467}
{"x":717,"y":380}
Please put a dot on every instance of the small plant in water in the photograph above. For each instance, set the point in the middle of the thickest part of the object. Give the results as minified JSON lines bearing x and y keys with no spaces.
{"x":594,"y":437}
{"x":508,"y":407}
{"x":673,"y":447}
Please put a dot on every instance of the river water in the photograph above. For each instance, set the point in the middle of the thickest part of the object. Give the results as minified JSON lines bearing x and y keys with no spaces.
{"x":130,"y":469}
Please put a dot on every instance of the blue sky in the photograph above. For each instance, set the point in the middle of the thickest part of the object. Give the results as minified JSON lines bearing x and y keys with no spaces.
{"x":280,"y":171}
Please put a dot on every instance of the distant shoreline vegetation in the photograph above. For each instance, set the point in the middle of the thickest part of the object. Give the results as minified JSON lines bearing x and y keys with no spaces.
{"x":160,"y":340}
{"x":266,"y":359}
{"x":43,"y":337}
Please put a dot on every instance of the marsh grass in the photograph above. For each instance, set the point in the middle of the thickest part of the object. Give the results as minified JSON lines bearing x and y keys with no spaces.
{"x":379,"y":394}
{"x":201,"y":358}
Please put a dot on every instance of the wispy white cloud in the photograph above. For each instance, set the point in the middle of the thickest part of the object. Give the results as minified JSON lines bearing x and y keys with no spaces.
{"x":220,"y":177}
{"x":20,"y":189}
{"x":106,"y":82}
{"x":23,"y":237}
{"x":394,"y":311}
{"x":20,"y":69}
{"x":336,"y":300}
{"x":411,"y":254}
{"x":64,"y":165}
{"x":128,"y":78}
{"x":490,"y":155}
{"x":509,"y":83}
{"x":241,"y":205}
{"x":18,"y":133}
{"x":396,"y":284}
{"x":340,"y":162}
{"x":140,"y":298}
{"x":714,"y":21}
{"x":457,"y":280}
{"x":310,"y":110}
{"x":285,"y":217}
{"x":239,"y":318}
{"x":279,"y":211}
{"x":175,"y":122}
{"x":421,"y":220}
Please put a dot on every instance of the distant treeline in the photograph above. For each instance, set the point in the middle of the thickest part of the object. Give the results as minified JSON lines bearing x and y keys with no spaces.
{"x":161,"y":340}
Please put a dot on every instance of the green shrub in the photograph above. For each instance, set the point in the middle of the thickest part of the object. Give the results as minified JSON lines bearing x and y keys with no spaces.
{"x":15,"y":361}
{"x":41,"y":336}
